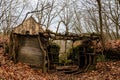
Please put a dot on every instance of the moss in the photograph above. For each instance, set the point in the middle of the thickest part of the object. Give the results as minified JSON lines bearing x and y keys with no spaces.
{"x":101,"y":58}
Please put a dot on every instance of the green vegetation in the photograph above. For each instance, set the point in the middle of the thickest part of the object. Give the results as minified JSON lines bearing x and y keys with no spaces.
{"x":70,"y":56}
{"x":63,"y":59}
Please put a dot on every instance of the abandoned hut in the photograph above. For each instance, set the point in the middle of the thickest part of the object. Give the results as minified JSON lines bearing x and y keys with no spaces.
{"x":27,"y":44}
{"x":30,"y":44}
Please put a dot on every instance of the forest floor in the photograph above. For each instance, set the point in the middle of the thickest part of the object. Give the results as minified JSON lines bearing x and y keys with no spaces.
{"x":10,"y":71}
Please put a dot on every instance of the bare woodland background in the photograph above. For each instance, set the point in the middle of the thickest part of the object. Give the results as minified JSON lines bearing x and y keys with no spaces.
{"x":78,"y":16}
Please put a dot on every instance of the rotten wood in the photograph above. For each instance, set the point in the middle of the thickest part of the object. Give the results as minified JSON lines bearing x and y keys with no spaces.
{"x":70,"y":36}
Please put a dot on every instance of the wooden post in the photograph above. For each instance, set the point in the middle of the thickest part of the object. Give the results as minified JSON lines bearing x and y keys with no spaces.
{"x":94,"y":56}
{"x":12,"y":48}
{"x":72,"y":50}
{"x":44,"y":55}
{"x":88,"y":63}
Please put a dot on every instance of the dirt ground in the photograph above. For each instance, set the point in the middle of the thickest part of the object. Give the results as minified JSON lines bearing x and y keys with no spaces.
{"x":19,"y":71}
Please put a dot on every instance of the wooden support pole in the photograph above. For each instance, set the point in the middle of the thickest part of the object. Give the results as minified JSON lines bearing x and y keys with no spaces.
{"x":88,"y":63}
{"x":44,"y":56}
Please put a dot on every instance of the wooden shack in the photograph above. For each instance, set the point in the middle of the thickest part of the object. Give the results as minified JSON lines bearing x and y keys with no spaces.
{"x":27,"y":45}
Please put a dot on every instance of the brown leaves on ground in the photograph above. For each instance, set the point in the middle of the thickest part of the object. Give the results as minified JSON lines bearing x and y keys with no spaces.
{"x":4,"y":39}
{"x":19,"y":71}
{"x":104,"y":71}
{"x":113,"y":45}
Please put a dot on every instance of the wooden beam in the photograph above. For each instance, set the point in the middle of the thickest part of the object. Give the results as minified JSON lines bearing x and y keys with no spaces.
{"x":71,"y":36}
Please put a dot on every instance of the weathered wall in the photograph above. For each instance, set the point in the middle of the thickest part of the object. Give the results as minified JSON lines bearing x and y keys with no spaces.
{"x":29,"y":25}
{"x":61,"y":43}
{"x":30,"y":51}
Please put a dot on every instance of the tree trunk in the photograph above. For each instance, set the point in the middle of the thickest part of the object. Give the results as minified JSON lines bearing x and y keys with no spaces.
{"x":101,"y":27}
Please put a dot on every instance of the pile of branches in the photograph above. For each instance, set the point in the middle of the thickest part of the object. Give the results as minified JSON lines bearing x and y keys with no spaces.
{"x":112,"y":49}
{"x":113,"y":45}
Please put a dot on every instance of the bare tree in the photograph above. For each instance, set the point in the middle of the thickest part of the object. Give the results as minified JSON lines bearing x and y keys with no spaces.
{"x":115,"y":16}
{"x":8,"y":15}
{"x":110,"y":19}
{"x":46,"y":12}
